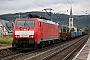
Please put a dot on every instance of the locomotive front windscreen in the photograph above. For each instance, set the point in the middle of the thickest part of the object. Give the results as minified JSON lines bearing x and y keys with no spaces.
{"x":28,"y":23}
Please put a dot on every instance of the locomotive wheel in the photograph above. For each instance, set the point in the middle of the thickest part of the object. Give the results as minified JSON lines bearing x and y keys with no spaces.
{"x":41,"y":44}
{"x":36,"y":46}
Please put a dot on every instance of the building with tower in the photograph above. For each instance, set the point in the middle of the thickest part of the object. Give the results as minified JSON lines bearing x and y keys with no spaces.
{"x":71,"y":25}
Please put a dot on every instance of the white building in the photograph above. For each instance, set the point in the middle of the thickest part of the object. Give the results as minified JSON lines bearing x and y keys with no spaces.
{"x":5,"y":27}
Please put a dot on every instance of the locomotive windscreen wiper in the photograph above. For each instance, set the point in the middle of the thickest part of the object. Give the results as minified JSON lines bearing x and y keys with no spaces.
{"x":26,"y":24}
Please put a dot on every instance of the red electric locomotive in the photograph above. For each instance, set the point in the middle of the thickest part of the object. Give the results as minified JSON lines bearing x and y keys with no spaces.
{"x":34,"y":31}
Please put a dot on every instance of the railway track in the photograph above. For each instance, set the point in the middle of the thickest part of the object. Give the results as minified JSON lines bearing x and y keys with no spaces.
{"x":65,"y":54}
{"x":6,"y":48}
{"x":50,"y":53}
{"x":8,"y":53}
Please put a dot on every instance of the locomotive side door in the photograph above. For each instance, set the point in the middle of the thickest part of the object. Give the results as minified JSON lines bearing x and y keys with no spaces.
{"x":41,"y":25}
{"x":40,"y":31}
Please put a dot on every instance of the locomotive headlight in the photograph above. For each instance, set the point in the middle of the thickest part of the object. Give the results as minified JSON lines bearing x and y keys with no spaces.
{"x":17,"y":36}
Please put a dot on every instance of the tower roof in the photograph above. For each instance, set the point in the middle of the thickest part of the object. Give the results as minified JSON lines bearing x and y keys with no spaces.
{"x":71,"y":12}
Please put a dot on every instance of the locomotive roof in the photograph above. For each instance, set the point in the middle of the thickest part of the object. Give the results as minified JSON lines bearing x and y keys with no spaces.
{"x":43,"y":19}
{"x":48,"y":21}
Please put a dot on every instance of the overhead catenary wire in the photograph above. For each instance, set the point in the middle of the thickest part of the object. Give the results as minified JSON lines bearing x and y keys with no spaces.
{"x":72,"y":4}
{"x":69,"y":2}
{"x":75,"y":6}
{"x":45,"y":2}
{"x":36,"y":3}
{"x":54,"y":12}
{"x":86,"y":11}
{"x":41,"y":5}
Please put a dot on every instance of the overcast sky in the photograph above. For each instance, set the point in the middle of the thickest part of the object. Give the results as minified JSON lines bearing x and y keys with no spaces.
{"x":61,"y":6}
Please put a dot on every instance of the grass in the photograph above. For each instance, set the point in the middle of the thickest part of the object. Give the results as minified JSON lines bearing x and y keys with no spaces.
{"x":5,"y":40}
{"x":75,"y":53}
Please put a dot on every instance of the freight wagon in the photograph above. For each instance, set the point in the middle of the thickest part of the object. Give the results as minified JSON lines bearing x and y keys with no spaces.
{"x":69,"y":35}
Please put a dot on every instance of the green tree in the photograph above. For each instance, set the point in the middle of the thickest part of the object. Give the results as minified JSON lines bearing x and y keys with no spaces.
{"x":64,"y":28}
{"x":88,"y":29}
{"x":72,"y":30}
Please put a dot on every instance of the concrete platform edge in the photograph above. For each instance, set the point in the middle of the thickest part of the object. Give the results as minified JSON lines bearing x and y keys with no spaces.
{"x":81,"y":51}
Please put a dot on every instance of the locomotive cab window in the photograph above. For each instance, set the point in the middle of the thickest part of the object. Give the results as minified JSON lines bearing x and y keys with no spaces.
{"x":28,"y":23}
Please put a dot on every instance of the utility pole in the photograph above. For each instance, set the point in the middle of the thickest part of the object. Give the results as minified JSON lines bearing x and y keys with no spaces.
{"x":66,"y":28}
{"x":19,"y":14}
{"x":62,"y":27}
{"x":49,"y":13}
